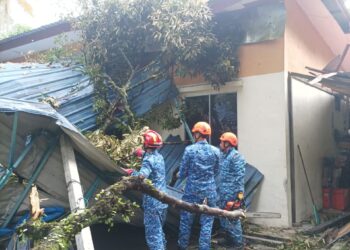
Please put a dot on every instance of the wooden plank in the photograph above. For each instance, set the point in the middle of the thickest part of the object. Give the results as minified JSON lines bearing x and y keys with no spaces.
{"x":269,"y":235}
{"x":345,"y":230}
{"x":263,"y":240}
{"x":319,"y":228}
{"x":75,"y":192}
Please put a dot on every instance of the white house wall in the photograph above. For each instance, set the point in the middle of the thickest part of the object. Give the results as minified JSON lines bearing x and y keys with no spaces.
{"x":261,"y":115}
{"x":313,"y":124}
{"x":261,"y":106}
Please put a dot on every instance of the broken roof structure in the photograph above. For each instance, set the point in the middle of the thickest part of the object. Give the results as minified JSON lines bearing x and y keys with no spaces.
{"x":73,"y":92}
{"x":30,"y":139}
{"x":331,"y":79}
{"x":30,"y":133}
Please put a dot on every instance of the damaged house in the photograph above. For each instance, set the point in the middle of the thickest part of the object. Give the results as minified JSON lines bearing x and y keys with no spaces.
{"x":276,"y":106}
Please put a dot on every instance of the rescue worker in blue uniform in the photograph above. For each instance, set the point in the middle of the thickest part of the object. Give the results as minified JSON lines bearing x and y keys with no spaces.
{"x":153,"y":168}
{"x":231,"y":188}
{"x":200,"y":164}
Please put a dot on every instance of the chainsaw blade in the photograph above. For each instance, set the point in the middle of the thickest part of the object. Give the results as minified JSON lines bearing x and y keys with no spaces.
{"x":262,"y":215}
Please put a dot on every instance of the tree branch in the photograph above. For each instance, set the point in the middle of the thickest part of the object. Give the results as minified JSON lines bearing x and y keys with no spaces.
{"x":122,"y":99}
{"x":109,"y":203}
{"x":127,"y":60}
{"x":145,"y":188}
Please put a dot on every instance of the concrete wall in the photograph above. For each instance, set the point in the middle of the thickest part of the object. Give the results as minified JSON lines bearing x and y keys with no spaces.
{"x":262,"y":129}
{"x":313,"y":124}
{"x":326,"y":26}
{"x":255,"y":59}
{"x":261,"y":58}
{"x":304,"y":46}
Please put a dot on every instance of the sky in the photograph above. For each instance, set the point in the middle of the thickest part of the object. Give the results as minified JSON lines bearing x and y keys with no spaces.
{"x":43,"y":11}
{"x":347,"y":4}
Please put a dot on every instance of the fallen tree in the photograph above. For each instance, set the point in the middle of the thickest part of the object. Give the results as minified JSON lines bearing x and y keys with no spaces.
{"x":109,"y":203}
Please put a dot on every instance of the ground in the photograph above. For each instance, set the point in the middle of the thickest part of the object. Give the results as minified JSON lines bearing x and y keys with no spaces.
{"x":127,"y":237}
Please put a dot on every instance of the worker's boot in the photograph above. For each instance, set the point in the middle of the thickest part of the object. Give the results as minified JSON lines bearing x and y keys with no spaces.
{"x":237,"y":247}
{"x":229,"y":243}
{"x":226,"y":241}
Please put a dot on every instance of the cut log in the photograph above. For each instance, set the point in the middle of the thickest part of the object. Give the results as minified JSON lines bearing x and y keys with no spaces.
{"x":34,"y":201}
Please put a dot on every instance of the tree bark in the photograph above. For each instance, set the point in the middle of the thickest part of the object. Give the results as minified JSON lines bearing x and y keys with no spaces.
{"x":140,"y":185}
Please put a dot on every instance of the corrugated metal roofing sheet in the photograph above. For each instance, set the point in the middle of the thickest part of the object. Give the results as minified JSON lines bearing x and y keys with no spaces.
{"x":74,"y":91}
{"x":40,"y":124}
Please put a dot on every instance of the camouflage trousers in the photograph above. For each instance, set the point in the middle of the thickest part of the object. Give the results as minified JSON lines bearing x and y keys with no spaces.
{"x":186,"y":221}
{"x":233,"y":228}
{"x":154,"y":220}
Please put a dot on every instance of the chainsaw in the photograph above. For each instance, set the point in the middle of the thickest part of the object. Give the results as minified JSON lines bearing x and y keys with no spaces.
{"x":239,"y":204}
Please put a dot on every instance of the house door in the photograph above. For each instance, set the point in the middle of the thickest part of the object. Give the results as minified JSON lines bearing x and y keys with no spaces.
{"x":219,"y":110}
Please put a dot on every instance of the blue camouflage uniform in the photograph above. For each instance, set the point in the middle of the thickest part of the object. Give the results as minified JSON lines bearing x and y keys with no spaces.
{"x":154,"y":211}
{"x":231,"y":182}
{"x":200,"y":163}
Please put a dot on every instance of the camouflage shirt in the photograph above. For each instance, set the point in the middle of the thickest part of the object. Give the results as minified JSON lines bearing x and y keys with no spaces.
{"x":200,"y":163}
{"x":153,"y":168}
{"x":231,"y":174}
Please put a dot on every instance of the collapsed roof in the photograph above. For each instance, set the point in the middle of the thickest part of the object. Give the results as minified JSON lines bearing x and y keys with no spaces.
{"x":29,"y":147}
{"x":30,"y":131}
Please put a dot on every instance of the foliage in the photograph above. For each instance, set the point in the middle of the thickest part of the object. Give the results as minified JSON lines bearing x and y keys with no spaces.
{"x":50,"y":100}
{"x":300,"y":242}
{"x":58,"y":235}
{"x":65,"y":52}
{"x":164,"y":115}
{"x":158,"y":39}
{"x":120,"y":151}
{"x":16,"y":29}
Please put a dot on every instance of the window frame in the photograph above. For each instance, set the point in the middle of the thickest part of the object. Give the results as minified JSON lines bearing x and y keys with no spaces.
{"x":204,"y":89}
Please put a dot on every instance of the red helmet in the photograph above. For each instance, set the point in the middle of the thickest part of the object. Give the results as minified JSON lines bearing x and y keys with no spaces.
{"x":230,"y":138}
{"x":202,"y":127}
{"x":152,"y":139}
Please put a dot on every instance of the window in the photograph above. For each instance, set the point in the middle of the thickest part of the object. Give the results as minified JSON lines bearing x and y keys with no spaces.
{"x":219,"y":110}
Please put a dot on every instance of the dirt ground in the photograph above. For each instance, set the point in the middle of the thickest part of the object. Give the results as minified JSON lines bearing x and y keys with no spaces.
{"x":126,"y":237}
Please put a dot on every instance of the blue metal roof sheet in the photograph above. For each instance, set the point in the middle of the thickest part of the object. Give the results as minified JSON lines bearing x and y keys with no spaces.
{"x":74,"y":91}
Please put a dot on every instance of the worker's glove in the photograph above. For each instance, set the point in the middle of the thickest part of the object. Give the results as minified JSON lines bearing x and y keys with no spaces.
{"x":139,"y":152}
{"x":128,"y":171}
{"x":238,"y":203}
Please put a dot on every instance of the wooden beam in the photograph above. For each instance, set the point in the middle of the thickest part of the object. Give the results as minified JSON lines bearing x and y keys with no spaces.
{"x":75,"y":192}
{"x":34,"y":204}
